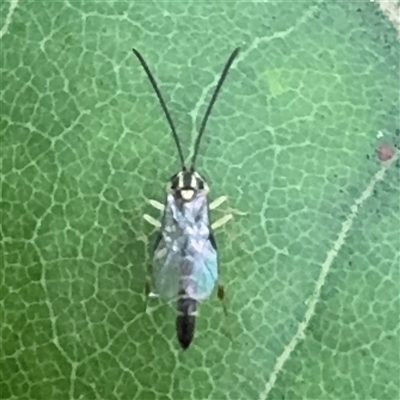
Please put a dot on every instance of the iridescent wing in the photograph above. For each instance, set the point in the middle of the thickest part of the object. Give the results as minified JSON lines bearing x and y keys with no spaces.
{"x":166,"y":271}
{"x":204,"y":274}
{"x":185,"y":256}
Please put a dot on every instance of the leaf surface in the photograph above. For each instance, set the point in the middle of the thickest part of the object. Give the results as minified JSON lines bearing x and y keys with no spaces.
{"x":291,"y":142}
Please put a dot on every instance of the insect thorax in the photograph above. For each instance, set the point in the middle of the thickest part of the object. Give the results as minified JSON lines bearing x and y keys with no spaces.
{"x":186,"y":184}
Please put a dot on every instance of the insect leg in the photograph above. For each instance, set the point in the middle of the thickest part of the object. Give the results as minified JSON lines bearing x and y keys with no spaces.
{"x":221,"y":289}
{"x":221,"y":296}
{"x":148,"y":292}
{"x":217,"y":202}
{"x":152,"y":220}
{"x":157,"y":204}
{"x":149,"y":281}
{"x":148,"y":287}
{"x":221,"y":221}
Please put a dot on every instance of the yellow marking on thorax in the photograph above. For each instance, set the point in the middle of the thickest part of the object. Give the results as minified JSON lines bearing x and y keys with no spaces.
{"x":187,"y":194}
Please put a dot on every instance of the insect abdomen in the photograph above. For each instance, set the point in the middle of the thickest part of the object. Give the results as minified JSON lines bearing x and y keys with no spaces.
{"x":186,"y":320}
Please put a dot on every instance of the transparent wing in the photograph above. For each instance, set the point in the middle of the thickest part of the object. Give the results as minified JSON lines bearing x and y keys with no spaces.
{"x":185,"y":257}
{"x":196,"y":273}
{"x":166,"y":271}
{"x":203,"y":277}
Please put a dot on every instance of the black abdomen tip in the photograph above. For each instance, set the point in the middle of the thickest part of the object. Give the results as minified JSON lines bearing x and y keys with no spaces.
{"x":185,"y":326}
{"x":186,"y":321}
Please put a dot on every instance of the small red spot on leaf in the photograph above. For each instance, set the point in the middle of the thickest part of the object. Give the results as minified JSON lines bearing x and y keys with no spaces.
{"x":385,"y":152}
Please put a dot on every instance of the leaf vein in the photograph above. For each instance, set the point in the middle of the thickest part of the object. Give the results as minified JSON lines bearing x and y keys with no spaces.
{"x":314,"y":298}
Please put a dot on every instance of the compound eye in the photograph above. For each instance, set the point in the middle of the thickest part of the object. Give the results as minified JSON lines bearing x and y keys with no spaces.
{"x":174,"y":182}
{"x":199,"y":181}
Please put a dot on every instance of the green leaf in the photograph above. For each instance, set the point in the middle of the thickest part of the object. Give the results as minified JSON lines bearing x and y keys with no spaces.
{"x":310,"y":260}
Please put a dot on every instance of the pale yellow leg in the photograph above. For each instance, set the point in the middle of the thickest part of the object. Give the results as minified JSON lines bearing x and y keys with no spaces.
{"x":157,"y":204}
{"x":217,"y":202}
{"x":161,"y":253}
{"x":221,"y":221}
{"x":152,"y":220}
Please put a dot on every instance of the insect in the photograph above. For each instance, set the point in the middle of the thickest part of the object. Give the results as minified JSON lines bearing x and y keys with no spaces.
{"x":185,"y":261}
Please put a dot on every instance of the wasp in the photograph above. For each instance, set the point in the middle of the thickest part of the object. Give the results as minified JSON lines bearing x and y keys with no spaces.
{"x":185,"y":264}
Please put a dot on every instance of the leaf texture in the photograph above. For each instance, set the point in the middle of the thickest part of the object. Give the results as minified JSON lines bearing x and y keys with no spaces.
{"x":291,"y":142}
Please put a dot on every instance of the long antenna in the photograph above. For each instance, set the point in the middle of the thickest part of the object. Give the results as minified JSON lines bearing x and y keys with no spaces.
{"x":210,"y":106}
{"x":163,"y":105}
